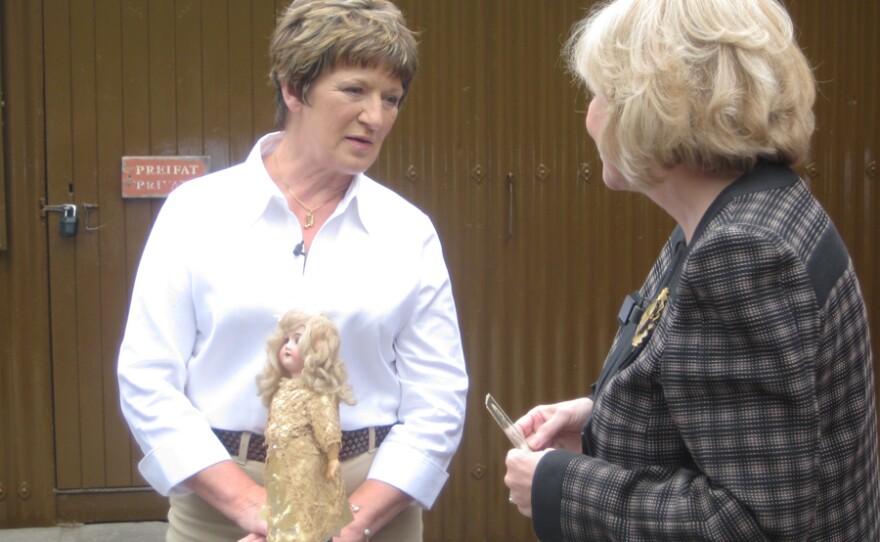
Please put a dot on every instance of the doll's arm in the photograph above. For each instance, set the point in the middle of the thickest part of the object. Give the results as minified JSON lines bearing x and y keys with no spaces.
{"x":332,"y":460}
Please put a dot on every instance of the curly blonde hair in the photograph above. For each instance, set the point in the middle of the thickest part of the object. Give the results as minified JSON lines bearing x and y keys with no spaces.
{"x":313,"y":36}
{"x":323,"y":369}
{"x":715,"y":85}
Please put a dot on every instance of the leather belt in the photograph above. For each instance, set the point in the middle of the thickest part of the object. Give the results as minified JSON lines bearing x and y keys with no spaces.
{"x":354,"y":443}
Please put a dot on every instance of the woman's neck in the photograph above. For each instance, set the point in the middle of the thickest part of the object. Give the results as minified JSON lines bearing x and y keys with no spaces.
{"x":686,"y":193}
{"x":310,"y":184}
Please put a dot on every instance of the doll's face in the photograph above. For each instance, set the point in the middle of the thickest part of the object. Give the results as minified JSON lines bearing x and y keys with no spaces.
{"x":289,"y":355}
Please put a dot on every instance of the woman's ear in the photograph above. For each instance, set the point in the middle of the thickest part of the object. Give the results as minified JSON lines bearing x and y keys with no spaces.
{"x":294,"y":103}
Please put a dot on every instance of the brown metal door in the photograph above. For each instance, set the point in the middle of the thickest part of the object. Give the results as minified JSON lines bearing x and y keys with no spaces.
{"x":130,"y":77}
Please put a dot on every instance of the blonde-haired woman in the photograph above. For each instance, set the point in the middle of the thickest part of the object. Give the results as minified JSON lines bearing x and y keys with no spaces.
{"x":737,"y":402}
{"x":303,"y":384}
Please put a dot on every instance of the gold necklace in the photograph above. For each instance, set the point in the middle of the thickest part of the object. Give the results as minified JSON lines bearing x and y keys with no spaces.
{"x":310,"y":212}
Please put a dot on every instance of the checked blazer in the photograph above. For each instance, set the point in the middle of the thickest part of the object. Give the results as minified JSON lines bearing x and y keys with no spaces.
{"x":750,"y":412}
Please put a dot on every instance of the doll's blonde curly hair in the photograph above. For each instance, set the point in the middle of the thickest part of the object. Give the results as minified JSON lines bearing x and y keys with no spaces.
{"x":323,"y":369}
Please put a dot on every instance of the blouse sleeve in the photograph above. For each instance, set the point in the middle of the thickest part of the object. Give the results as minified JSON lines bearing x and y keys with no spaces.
{"x":175,"y":437}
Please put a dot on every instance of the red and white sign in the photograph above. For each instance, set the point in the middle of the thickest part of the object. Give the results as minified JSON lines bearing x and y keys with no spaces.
{"x":157,"y":176}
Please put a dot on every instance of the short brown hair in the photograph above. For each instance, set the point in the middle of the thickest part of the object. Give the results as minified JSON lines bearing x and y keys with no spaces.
{"x":313,"y":36}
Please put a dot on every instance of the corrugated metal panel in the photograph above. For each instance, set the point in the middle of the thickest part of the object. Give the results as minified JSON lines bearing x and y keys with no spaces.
{"x":841,"y":41}
{"x":492,"y":145}
{"x":26,"y":443}
{"x":3,"y":226}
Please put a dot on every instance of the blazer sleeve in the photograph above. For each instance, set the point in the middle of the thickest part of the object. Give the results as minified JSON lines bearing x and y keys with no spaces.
{"x":736,"y":369}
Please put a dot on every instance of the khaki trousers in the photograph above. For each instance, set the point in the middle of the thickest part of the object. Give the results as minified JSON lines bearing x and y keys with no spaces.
{"x":191,"y":519}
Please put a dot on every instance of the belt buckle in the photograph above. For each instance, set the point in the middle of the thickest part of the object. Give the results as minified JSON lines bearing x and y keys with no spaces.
{"x":244,"y":440}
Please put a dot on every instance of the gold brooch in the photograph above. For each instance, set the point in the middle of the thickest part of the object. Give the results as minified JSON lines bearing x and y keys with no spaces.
{"x":650,"y":317}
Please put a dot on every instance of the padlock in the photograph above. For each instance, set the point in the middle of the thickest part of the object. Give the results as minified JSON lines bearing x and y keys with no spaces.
{"x":69,"y":221}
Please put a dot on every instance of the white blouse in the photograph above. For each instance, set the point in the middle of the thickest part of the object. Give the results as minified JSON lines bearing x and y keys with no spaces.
{"x":219,"y":269}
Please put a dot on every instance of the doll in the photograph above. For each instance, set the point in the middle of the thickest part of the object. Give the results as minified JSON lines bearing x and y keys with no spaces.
{"x":302,"y":385}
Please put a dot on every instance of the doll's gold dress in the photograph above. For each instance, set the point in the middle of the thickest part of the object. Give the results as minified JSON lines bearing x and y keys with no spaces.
{"x":304,"y":505}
